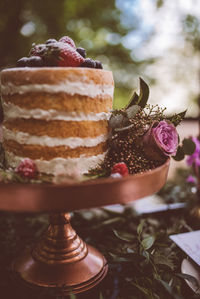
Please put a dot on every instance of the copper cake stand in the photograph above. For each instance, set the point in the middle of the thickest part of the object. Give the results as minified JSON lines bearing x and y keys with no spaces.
{"x":60,"y":259}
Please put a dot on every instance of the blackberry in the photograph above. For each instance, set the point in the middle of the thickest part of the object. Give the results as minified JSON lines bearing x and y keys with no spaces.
{"x":22,"y":62}
{"x":81,"y":51}
{"x":36,"y":61}
{"x":38,"y":50}
{"x":51,"y":40}
{"x":89,"y":63}
{"x":98,"y":64}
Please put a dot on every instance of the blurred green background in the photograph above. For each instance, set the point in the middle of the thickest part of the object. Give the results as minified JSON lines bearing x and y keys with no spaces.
{"x":130,"y":37}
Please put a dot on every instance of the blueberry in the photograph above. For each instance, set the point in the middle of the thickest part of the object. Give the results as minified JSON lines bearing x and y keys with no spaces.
{"x":89,"y":63}
{"x":81,"y":51}
{"x":35,"y":61}
{"x":98,"y":64}
{"x":51,"y":40}
{"x":22,"y":62}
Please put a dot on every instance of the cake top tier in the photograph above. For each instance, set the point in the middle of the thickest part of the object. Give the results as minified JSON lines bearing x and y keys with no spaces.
{"x":55,"y":75}
{"x":58,"y":53}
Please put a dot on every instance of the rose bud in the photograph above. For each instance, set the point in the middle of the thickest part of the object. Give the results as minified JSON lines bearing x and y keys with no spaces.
{"x":161,"y":140}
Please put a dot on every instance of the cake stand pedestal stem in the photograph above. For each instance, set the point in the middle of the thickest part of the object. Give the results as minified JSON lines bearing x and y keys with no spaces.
{"x":60,"y":260}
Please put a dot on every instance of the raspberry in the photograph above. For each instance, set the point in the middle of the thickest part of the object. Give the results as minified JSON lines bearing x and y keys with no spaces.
{"x":27,"y":169}
{"x":37,"y":50}
{"x":120,"y":168}
{"x":67,"y":40}
{"x":68,"y":56}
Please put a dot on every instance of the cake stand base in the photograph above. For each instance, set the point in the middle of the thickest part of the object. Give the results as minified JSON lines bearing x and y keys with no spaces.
{"x":61,"y":260}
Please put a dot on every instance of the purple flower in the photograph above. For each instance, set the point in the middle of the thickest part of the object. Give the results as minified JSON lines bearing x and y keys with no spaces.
{"x":161,"y":140}
{"x":194,"y":159}
{"x":191,"y":179}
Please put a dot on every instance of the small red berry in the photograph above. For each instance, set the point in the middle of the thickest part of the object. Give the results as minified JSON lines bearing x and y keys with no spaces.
{"x":120,"y":168}
{"x":68,"y":40}
{"x":27,"y":169}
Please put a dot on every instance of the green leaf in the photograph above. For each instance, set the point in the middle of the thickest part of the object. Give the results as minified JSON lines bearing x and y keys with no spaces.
{"x":168,"y":289}
{"x":123,"y":236}
{"x":120,"y":259}
{"x":145,"y":291}
{"x":188,"y":146}
{"x":148,"y":242}
{"x":160,"y":259}
{"x":132,"y":111}
{"x":190,"y":278}
{"x":177,"y":118}
{"x":133,"y":100}
{"x":111,"y":221}
{"x":144,"y":94}
{"x":100,"y":296}
{"x":180,"y":155}
{"x":146,"y":255}
{"x":140,"y":227}
{"x":115,"y":121}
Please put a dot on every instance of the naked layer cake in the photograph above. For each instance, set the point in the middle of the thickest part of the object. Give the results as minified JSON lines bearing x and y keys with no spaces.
{"x":56,"y":116}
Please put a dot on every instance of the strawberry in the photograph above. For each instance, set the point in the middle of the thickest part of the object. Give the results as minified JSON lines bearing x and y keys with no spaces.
{"x":68,"y":40}
{"x":120,"y":168}
{"x":57,"y":54}
{"x":68,"y":56}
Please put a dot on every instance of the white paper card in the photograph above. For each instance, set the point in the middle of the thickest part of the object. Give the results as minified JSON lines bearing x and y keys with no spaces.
{"x":189,"y":243}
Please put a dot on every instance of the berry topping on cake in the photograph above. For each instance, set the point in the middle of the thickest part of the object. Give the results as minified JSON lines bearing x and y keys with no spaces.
{"x":68,"y":56}
{"x":51,"y":40}
{"x":35,"y":61}
{"x":81,"y":51}
{"x":37,"y":50}
{"x":68,"y":40}
{"x":98,"y":64}
{"x":27,"y":169}
{"x":22,"y":62}
{"x":120,"y":168}
{"x":62,"y":53}
{"x":58,"y":54}
{"x":89,"y":63}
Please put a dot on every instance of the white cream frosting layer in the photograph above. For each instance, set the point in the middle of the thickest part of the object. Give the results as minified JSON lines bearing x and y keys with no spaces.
{"x":69,"y":87}
{"x":81,"y":164}
{"x":14,"y":111}
{"x":71,"y":142}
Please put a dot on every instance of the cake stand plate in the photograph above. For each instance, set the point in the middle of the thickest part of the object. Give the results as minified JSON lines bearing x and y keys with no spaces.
{"x":60,"y":259}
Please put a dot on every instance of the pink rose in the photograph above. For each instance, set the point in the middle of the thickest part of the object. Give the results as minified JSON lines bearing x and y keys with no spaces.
{"x":161,"y":140}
